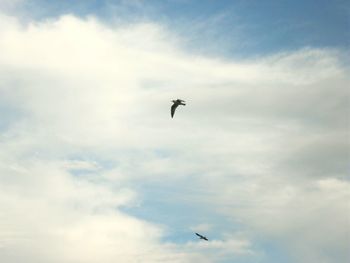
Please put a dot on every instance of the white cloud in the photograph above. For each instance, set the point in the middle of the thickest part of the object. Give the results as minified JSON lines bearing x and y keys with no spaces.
{"x":51,"y":216}
{"x":204,"y":227}
{"x":263,"y":141}
{"x":220,"y":250}
{"x":9,"y":2}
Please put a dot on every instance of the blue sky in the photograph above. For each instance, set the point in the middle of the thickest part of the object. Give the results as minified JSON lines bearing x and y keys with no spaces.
{"x":228,"y":28}
{"x":257,"y":156}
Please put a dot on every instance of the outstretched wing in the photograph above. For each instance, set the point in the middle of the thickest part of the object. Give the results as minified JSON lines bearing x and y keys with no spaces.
{"x":173,"y":108}
{"x":202,"y":237}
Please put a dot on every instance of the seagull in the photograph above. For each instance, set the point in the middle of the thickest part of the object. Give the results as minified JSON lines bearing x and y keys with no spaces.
{"x":202,"y":237}
{"x":174,"y":106}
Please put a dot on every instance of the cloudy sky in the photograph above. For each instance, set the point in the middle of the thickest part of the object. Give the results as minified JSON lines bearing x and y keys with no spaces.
{"x":93,"y":169}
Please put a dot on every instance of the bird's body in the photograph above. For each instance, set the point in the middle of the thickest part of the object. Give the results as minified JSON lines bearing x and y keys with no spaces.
{"x":201,"y":237}
{"x":175,"y":104}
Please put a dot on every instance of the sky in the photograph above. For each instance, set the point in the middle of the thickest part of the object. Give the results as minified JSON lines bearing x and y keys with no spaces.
{"x":94,"y":169}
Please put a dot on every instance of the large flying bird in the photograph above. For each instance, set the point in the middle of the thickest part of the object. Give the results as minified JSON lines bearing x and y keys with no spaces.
{"x":174,"y":106}
{"x":202,"y":237}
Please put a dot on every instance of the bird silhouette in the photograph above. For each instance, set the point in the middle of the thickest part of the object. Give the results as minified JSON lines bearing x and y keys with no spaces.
{"x":175,"y":104}
{"x":202,"y":237}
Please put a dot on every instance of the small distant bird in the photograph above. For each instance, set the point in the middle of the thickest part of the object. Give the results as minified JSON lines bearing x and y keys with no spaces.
{"x":174,"y":106}
{"x":202,"y":237}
